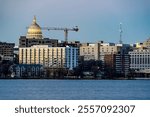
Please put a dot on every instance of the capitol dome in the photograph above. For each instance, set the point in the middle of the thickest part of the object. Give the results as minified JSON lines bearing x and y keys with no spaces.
{"x":34,"y":30}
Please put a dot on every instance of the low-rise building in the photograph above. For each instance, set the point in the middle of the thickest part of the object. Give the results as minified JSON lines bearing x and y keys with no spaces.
{"x":27,"y":71}
{"x":140,"y":59}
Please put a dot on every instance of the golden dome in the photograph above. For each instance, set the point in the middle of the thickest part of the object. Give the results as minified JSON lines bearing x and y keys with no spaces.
{"x":34,"y":30}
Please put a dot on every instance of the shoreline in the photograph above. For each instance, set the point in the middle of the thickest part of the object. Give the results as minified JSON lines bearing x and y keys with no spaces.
{"x":73,"y":79}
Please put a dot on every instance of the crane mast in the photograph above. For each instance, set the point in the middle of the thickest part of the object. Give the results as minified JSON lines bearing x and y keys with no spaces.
{"x":64,"y":29}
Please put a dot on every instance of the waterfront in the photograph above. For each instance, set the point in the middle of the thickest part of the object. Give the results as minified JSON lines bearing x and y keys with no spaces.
{"x":74,"y":89}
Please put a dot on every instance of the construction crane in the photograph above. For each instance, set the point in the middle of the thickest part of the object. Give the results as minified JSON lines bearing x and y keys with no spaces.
{"x":76,"y":29}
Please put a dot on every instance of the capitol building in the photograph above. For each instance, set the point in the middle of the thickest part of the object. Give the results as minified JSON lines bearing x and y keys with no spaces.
{"x":34,"y":37}
{"x":34,"y":49}
{"x":34,"y":30}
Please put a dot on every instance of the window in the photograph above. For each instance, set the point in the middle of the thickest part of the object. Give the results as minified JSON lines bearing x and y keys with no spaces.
{"x":83,"y":49}
{"x":92,"y":49}
{"x":88,"y":50}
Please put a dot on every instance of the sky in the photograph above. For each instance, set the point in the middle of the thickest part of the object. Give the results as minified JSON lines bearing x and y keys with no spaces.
{"x":97,"y":19}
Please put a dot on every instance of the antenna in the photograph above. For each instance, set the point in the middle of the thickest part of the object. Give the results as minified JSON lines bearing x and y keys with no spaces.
{"x":120,"y":31}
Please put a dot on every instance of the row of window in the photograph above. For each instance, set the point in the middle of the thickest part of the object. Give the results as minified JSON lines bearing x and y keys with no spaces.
{"x":140,"y":60}
{"x":89,"y":50}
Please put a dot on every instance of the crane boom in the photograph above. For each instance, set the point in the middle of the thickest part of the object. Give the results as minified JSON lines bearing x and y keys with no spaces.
{"x":64,"y":29}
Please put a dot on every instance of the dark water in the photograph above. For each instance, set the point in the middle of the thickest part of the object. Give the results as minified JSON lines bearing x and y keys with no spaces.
{"x":74,"y":89}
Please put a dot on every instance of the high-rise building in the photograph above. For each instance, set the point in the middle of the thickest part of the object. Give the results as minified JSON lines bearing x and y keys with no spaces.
{"x":122,"y":63}
{"x":108,"y":48}
{"x":51,"y":57}
{"x":90,"y":51}
{"x":117,"y":64}
{"x":97,"y":51}
{"x":109,"y":64}
{"x":110,"y":60}
{"x":34,"y":37}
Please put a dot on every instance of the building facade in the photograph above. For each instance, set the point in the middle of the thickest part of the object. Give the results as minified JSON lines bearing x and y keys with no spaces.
{"x":140,"y":59}
{"x":26,"y":42}
{"x":146,"y":43}
{"x":90,"y":51}
{"x":117,"y":64}
{"x":52,"y":57}
{"x":108,"y":48}
{"x":109,"y":65}
{"x":97,"y":51}
{"x":6,"y":51}
{"x":27,"y":71}
{"x":122,"y":64}
{"x":110,"y":60}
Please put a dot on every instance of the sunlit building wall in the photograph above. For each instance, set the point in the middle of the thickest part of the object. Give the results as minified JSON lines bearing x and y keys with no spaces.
{"x":97,"y":51}
{"x":90,"y":51}
{"x":146,"y":43}
{"x":108,"y":49}
{"x":34,"y":37}
{"x":51,"y":57}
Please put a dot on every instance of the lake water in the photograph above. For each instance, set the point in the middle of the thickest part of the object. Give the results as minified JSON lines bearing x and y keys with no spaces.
{"x":75,"y":89}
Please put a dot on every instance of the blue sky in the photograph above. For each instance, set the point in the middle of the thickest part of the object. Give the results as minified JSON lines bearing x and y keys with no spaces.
{"x":96,"y":19}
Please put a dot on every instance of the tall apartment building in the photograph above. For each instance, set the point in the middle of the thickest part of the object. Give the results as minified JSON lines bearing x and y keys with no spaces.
{"x":97,"y":51}
{"x":109,"y":63}
{"x":6,"y":50}
{"x":122,"y":64}
{"x":34,"y":37}
{"x":140,"y":59}
{"x":117,"y":63}
{"x":53,"y":57}
{"x":90,"y":51}
{"x":108,"y":48}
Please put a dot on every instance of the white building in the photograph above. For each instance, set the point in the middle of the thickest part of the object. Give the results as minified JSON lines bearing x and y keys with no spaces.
{"x":16,"y":50}
{"x":140,"y":59}
{"x":26,"y":71}
{"x":53,"y":57}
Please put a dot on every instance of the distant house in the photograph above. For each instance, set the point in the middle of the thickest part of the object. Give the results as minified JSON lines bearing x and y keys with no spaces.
{"x":27,"y":71}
